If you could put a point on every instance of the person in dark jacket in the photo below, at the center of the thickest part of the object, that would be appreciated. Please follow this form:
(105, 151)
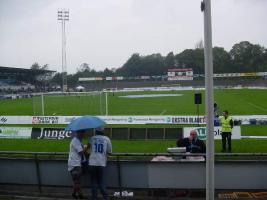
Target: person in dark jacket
(192, 143)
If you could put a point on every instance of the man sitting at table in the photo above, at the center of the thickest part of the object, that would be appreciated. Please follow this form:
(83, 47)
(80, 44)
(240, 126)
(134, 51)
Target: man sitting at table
(192, 143)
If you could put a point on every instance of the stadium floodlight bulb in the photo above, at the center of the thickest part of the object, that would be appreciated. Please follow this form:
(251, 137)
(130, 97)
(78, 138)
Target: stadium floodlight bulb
(63, 15)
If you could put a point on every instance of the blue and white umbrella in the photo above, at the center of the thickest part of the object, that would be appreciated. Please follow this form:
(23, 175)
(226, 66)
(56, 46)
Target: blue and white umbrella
(85, 122)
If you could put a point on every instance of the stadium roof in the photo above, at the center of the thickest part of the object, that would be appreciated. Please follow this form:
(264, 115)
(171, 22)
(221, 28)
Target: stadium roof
(14, 70)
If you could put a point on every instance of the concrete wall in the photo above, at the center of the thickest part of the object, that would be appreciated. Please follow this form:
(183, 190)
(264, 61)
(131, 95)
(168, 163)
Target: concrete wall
(138, 174)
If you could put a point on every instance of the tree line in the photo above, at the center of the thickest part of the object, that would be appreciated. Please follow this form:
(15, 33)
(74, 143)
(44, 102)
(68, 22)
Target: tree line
(243, 57)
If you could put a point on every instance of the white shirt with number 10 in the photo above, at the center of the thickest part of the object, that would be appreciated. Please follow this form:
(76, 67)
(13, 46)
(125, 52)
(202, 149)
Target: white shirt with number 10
(100, 146)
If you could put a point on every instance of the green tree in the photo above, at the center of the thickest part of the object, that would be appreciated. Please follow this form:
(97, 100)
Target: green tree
(247, 57)
(36, 66)
(45, 67)
(57, 79)
(84, 67)
(170, 61)
(191, 58)
(131, 67)
(221, 60)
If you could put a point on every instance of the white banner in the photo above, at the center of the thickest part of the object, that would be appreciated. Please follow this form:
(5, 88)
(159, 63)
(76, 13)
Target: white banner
(180, 78)
(236, 132)
(161, 119)
(15, 132)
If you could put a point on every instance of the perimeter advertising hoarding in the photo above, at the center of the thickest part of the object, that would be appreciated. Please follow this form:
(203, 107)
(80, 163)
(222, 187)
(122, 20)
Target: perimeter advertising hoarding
(236, 132)
(161, 119)
(15, 132)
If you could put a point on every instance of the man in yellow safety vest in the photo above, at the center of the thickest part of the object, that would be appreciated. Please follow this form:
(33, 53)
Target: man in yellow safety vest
(227, 125)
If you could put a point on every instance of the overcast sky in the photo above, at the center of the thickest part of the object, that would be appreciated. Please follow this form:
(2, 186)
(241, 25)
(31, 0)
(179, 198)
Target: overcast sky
(105, 33)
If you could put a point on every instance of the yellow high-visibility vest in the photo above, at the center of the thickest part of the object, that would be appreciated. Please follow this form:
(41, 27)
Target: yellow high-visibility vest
(225, 123)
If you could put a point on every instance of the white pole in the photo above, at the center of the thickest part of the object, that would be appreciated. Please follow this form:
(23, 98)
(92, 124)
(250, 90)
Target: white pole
(206, 7)
(100, 103)
(33, 107)
(106, 103)
(42, 99)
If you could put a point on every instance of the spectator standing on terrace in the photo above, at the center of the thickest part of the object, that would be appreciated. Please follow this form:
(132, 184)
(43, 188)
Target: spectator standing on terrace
(76, 154)
(227, 125)
(216, 110)
(192, 143)
(100, 147)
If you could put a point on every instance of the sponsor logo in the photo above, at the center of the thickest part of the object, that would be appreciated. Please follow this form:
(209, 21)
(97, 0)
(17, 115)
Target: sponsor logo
(69, 119)
(3, 119)
(130, 119)
(156, 119)
(15, 132)
(201, 132)
(51, 133)
(188, 120)
(45, 120)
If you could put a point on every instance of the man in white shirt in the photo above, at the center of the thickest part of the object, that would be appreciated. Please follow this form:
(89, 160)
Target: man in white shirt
(100, 147)
(74, 162)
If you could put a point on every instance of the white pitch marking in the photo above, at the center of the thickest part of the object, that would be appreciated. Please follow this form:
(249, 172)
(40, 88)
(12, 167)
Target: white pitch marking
(151, 95)
(259, 107)
(163, 112)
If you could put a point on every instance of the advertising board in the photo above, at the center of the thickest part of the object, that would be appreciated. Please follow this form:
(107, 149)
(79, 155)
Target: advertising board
(201, 131)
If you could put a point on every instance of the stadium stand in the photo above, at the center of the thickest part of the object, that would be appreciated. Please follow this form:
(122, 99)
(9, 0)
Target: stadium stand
(230, 82)
(19, 80)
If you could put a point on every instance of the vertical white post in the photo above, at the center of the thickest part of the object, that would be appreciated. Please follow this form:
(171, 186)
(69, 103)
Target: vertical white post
(100, 103)
(42, 99)
(106, 103)
(33, 107)
(206, 7)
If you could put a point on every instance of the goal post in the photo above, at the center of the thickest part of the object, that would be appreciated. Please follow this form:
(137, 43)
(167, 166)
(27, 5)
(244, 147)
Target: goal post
(70, 103)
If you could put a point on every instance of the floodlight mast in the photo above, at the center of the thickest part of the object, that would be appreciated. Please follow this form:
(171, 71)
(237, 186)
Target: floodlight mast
(63, 15)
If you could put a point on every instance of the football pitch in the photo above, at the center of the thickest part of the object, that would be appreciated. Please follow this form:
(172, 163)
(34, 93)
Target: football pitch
(237, 102)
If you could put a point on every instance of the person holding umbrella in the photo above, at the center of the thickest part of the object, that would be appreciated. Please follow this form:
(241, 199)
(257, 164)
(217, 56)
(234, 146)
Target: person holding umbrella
(74, 162)
(100, 147)
(79, 126)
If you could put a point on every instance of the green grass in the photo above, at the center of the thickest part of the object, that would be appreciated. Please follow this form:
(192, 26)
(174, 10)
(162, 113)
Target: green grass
(139, 146)
(123, 146)
(238, 102)
(249, 130)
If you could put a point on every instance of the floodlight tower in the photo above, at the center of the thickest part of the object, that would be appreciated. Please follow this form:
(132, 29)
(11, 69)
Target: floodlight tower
(63, 15)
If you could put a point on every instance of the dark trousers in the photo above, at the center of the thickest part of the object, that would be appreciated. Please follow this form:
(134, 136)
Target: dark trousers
(97, 181)
(226, 136)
